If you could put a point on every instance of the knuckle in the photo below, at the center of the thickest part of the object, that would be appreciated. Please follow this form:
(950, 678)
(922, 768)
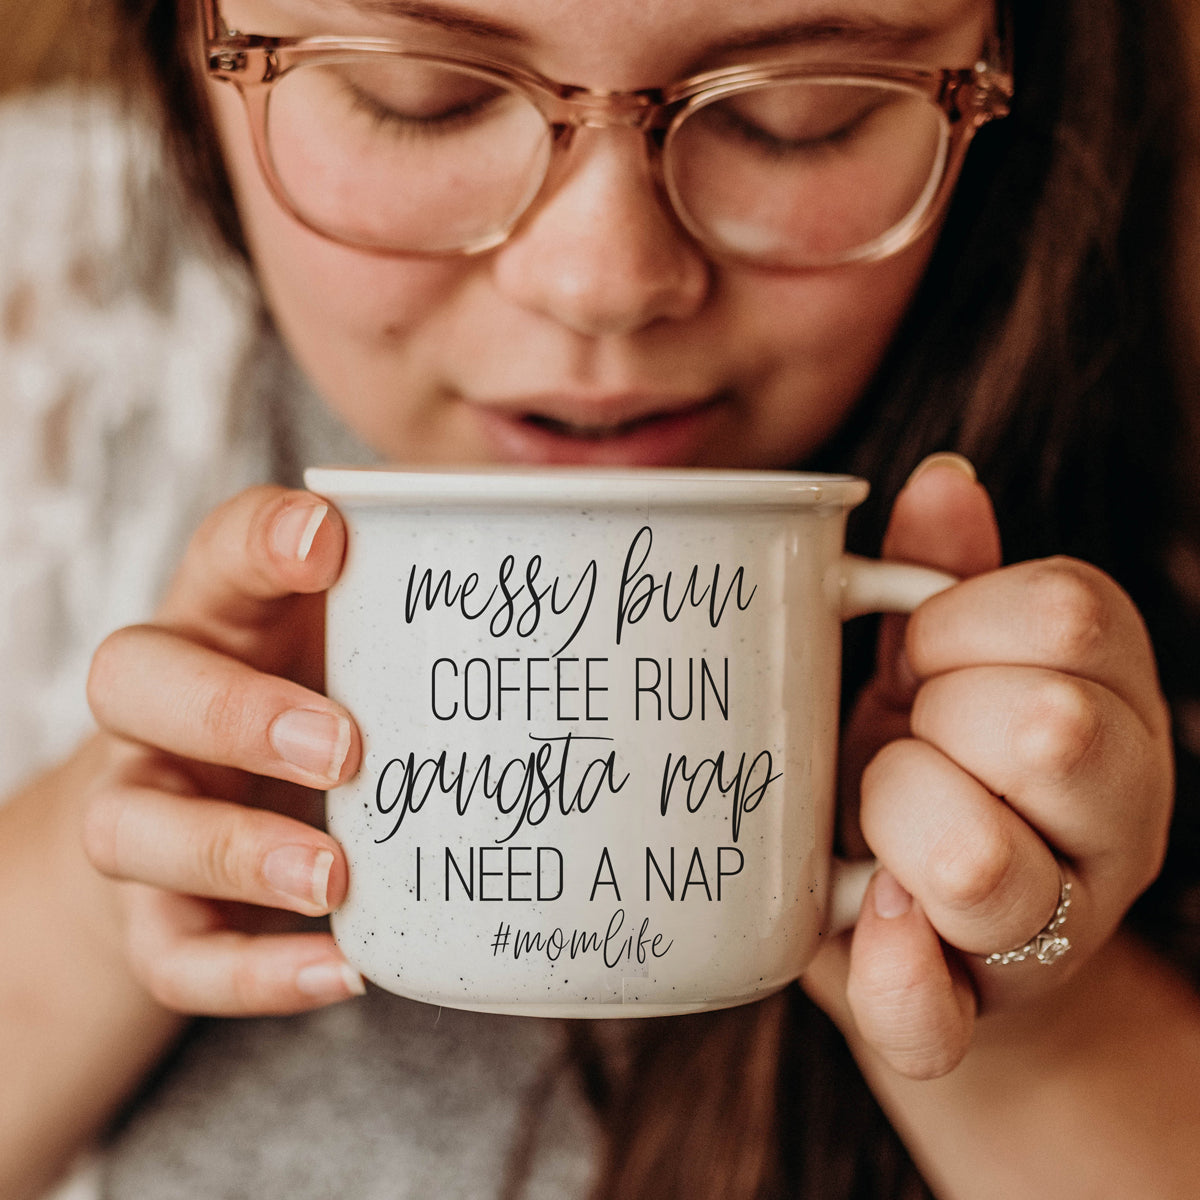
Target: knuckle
(227, 715)
(968, 868)
(921, 1053)
(885, 990)
(246, 985)
(899, 1018)
(927, 1058)
(1055, 728)
(1070, 608)
(222, 862)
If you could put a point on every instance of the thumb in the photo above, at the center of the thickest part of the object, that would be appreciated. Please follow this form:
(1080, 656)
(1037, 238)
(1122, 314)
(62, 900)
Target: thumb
(943, 517)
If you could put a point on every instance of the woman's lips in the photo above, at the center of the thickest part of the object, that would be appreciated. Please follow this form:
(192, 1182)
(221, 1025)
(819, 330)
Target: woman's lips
(624, 430)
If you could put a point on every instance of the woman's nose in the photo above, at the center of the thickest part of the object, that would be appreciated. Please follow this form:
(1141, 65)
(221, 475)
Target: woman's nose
(600, 254)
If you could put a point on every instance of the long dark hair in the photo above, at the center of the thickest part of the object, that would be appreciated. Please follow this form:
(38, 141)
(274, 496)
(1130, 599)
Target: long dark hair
(1040, 345)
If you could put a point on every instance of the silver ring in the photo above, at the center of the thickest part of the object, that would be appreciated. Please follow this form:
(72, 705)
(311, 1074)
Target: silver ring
(1047, 945)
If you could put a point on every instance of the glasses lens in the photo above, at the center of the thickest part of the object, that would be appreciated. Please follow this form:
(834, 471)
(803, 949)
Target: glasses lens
(404, 154)
(808, 172)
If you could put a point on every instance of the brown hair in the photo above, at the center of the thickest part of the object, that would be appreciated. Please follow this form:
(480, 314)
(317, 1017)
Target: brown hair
(47, 42)
(1040, 345)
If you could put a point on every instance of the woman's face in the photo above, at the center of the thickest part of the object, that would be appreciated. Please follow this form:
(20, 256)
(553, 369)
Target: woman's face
(600, 332)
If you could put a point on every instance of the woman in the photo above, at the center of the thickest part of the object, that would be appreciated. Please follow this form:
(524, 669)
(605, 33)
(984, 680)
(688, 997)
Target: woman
(1025, 326)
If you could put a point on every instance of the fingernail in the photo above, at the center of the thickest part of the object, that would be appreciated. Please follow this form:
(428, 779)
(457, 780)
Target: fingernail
(330, 981)
(301, 874)
(890, 899)
(944, 458)
(295, 529)
(314, 741)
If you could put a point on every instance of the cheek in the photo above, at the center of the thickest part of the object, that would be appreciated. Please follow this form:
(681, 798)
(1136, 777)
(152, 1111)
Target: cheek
(812, 343)
(325, 297)
(842, 320)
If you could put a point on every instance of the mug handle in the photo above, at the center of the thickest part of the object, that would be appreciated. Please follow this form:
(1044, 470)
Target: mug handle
(868, 585)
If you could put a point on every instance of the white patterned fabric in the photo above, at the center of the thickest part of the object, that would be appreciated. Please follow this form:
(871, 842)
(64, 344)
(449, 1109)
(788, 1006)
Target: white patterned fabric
(139, 385)
(118, 404)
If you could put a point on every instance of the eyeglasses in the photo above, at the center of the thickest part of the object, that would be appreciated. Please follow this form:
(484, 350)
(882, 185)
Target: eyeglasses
(377, 145)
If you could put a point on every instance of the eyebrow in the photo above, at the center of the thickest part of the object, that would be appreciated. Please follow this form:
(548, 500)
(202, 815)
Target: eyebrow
(825, 29)
(832, 28)
(441, 16)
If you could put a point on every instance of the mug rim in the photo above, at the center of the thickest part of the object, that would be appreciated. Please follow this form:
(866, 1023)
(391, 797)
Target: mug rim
(557, 486)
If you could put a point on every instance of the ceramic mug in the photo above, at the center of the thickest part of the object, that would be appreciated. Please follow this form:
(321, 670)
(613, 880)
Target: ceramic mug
(599, 713)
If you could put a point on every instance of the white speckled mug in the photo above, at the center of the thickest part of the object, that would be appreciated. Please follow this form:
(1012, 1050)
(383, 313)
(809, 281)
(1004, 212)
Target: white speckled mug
(599, 716)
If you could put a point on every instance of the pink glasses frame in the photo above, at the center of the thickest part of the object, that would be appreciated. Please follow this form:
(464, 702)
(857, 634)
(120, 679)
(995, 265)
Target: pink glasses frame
(968, 97)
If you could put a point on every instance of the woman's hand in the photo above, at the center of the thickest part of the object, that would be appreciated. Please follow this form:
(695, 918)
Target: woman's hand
(1014, 727)
(216, 736)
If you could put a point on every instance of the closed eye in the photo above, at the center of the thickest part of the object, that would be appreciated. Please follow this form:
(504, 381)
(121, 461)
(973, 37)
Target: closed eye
(778, 124)
(426, 103)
